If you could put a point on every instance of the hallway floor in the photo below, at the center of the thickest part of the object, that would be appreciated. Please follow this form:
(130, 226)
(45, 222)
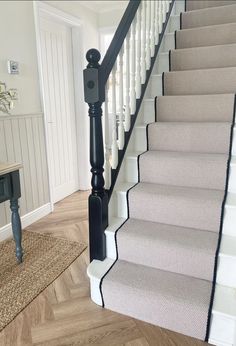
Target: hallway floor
(64, 315)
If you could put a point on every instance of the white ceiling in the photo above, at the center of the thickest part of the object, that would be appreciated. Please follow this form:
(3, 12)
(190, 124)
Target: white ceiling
(104, 6)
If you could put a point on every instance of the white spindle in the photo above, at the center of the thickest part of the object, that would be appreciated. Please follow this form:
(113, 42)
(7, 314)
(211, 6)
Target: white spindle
(132, 70)
(143, 43)
(152, 38)
(156, 4)
(107, 166)
(164, 10)
(148, 25)
(121, 135)
(127, 83)
(138, 54)
(167, 6)
(160, 15)
(114, 147)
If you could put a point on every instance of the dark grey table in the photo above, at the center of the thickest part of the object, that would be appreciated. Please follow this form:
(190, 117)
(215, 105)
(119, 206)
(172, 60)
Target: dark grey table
(10, 190)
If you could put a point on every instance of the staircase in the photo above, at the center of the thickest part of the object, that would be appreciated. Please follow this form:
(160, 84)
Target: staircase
(171, 240)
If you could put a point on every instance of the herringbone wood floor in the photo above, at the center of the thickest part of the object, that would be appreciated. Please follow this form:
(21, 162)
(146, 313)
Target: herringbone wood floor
(64, 314)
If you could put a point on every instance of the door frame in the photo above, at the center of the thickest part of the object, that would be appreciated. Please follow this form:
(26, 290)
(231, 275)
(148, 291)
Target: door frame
(43, 9)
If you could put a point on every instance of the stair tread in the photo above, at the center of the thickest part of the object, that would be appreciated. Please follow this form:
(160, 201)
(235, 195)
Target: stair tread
(205, 157)
(152, 241)
(209, 16)
(209, 57)
(209, 108)
(191, 169)
(206, 36)
(209, 137)
(177, 205)
(157, 295)
(194, 5)
(203, 81)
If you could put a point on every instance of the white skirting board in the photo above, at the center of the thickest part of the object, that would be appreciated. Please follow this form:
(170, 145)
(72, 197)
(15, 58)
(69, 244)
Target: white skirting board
(26, 220)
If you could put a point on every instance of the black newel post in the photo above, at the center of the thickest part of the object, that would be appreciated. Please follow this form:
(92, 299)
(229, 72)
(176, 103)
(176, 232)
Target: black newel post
(94, 92)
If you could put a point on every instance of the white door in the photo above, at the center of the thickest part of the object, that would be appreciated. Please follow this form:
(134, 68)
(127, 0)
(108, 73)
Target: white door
(58, 90)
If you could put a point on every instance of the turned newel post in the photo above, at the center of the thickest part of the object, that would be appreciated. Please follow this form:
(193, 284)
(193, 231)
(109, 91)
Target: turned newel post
(94, 92)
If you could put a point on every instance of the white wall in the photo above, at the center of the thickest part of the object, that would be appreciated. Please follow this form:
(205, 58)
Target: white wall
(17, 37)
(111, 18)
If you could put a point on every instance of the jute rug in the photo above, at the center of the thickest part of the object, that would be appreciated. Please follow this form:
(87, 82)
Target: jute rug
(45, 258)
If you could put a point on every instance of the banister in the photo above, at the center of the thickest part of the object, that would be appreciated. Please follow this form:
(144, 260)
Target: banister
(95, 93)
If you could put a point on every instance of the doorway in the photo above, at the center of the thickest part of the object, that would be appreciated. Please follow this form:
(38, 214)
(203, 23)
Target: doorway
(57, 34)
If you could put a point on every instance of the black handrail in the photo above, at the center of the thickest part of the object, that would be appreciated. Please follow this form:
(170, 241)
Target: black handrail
(95, 77)
(118, 39)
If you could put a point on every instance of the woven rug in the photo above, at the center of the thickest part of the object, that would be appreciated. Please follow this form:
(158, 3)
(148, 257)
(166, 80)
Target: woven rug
(45, 258)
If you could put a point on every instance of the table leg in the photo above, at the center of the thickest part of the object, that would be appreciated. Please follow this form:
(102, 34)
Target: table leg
(16, 228)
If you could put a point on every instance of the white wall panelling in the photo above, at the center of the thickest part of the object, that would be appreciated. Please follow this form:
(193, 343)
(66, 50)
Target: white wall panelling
(22, 140)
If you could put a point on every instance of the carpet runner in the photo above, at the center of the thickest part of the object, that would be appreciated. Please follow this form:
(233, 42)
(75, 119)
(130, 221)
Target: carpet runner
(166, 250)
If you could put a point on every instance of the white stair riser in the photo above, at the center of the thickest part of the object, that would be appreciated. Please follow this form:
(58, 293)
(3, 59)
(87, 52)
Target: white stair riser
(131, 172)
(110, 245)
(156, 86)
(222, 330)
(179, 7)
(148, 115)
(162, 64)
(232, 179)
(174, 23)
(230, 221)
(168, 42)
(226, 274)
(140, 138)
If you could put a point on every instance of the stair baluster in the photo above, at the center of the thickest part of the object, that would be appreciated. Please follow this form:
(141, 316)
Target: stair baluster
(148, 43)
(114, 148)
(138, 54)
(106, 124)
(156, 13)
(127, 82)
(121, 133)
(132, 69)
(143, 43)
(152, 41)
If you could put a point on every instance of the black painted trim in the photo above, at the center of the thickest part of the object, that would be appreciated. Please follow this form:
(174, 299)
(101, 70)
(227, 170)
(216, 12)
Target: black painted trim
(181, 14)
(175, 39)
(221, 225)
(155, 107)
(163, 83)
(185, 5)
(170, 60)
(147, 136)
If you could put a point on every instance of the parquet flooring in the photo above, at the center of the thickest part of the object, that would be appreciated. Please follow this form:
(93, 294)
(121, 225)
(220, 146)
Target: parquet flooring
(64, 315)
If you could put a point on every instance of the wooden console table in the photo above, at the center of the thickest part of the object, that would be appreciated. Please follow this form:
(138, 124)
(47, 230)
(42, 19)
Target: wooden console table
(10, 190)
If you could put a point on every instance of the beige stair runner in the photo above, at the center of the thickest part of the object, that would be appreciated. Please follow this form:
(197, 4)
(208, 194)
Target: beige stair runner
(165, 268)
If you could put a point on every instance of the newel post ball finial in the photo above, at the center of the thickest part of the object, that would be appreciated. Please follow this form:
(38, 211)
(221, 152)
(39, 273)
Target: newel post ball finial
(93, 56)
